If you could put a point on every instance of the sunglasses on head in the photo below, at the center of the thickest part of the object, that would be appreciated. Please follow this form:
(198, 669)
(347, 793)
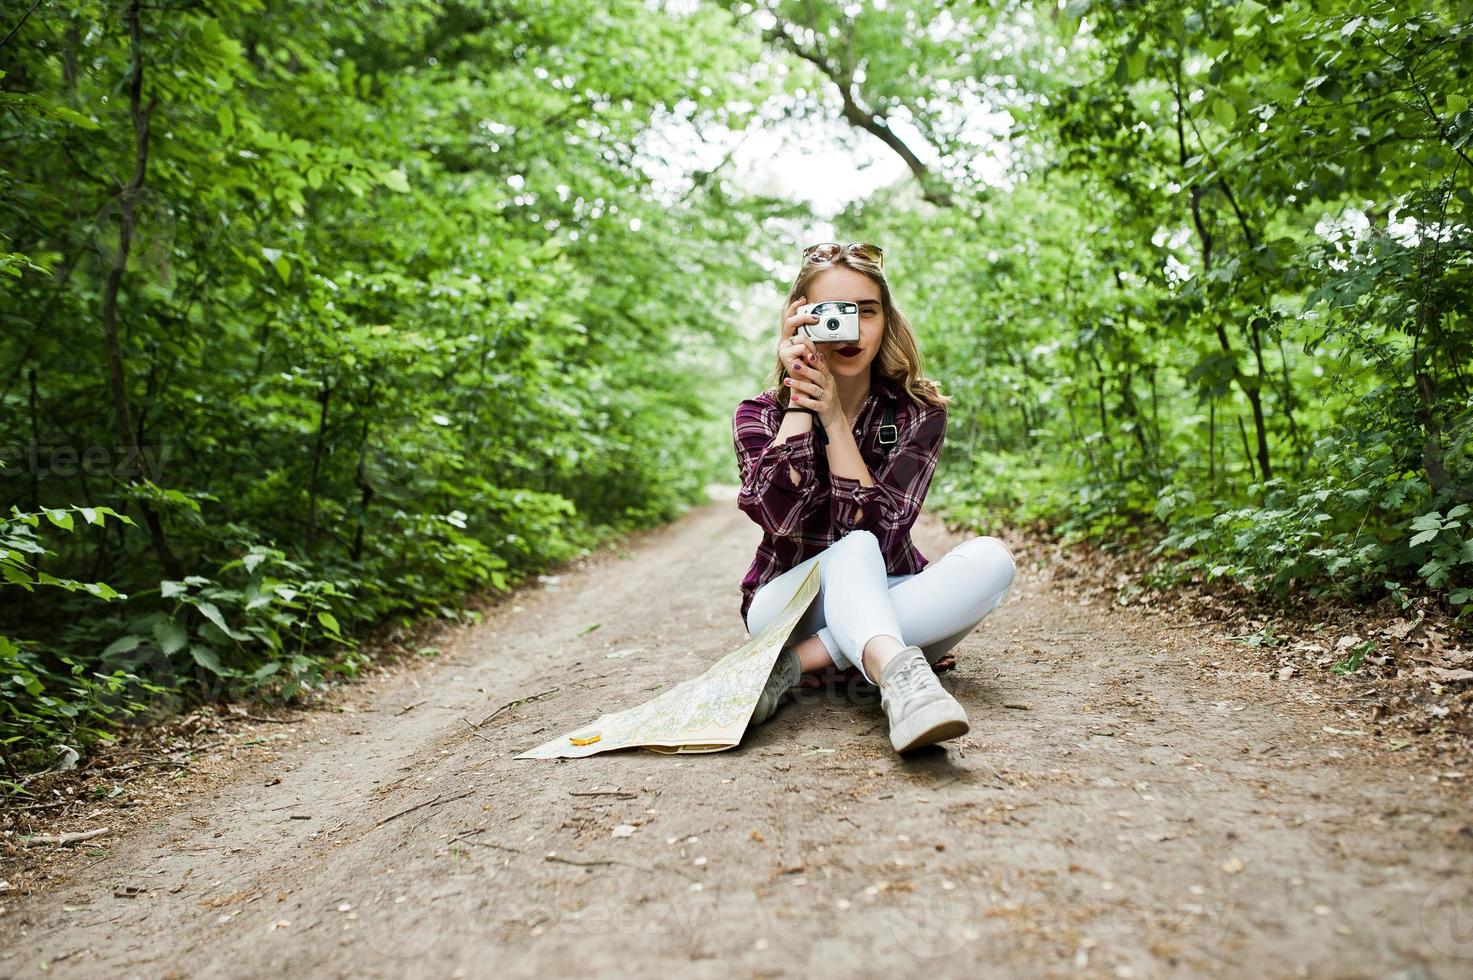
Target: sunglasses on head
(828, 251)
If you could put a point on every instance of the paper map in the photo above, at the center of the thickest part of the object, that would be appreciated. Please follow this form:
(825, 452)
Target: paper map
(702, 714)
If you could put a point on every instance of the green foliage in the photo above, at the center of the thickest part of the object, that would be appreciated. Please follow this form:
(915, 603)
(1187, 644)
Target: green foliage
(372, 308)
(1217, 297)
(46, 696)
(1352, 661)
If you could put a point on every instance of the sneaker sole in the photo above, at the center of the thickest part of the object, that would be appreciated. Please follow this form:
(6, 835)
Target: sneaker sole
(929, 726)
(787, 680)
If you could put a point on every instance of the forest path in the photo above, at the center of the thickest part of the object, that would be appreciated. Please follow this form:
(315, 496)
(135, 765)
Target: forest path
(1150, 811)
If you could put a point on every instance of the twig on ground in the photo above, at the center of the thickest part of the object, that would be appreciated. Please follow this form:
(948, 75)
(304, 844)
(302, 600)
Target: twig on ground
(420, 806)
(476, 733)
(75, 838)
(603, 862)
(597, 863)
(43, 806)
(139, 765)
(513, 704)
(487, 843)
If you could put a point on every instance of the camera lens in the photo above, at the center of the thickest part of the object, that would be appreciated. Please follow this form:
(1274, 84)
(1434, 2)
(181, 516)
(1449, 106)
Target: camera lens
(833, 323)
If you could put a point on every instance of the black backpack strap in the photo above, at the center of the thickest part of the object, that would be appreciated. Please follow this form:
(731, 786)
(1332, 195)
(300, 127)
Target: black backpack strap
(889, 434)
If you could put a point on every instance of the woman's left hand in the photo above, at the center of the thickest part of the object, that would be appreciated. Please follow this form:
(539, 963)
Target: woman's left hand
(813, 387)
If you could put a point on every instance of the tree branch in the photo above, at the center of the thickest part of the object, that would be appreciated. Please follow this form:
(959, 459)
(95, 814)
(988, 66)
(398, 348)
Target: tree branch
(858, 115)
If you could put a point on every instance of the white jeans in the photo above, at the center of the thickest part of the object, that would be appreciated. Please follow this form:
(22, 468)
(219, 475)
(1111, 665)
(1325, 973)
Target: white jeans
(857, 601)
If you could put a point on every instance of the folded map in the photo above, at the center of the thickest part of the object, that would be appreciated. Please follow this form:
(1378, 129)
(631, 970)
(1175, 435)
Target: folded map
(701, 714)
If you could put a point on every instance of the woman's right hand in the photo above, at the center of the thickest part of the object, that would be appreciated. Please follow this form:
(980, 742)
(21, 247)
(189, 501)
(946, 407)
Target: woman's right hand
(793, 346)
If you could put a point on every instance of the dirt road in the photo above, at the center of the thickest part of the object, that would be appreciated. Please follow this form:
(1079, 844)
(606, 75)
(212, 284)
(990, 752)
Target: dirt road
(1127, 804)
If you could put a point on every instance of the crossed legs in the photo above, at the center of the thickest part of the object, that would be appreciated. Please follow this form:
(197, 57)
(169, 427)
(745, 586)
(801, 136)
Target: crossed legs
(863, 617)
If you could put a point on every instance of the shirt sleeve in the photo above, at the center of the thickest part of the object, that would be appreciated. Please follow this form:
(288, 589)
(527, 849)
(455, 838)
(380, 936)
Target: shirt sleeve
(891, 506)
(778, 479)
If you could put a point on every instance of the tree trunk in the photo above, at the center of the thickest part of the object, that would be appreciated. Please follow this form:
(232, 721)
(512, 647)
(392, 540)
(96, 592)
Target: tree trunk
(117, 377)
(324, 399)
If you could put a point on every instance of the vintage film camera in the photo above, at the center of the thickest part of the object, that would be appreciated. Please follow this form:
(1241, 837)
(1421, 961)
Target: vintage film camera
(838, 320)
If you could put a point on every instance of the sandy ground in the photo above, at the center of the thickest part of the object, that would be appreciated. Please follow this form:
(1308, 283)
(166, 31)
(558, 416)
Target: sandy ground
(1127, 804)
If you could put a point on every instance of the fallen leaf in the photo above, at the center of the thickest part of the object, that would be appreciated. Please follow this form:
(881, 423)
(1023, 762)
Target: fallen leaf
(1399, 629)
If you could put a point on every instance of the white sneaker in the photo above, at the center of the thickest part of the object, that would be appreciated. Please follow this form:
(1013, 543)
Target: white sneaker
(785, 673)
(920, 710)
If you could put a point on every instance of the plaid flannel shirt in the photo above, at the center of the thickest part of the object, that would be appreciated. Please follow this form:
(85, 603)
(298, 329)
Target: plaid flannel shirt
(802, 508)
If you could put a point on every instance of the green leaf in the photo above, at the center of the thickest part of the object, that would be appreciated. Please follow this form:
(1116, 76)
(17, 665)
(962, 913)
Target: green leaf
(103, 591)
(1135, 64)
(210, 612)
(206, 658)
(1434, 572)
(330, 621)
(395, 180)
(122, 645)
(1456, 103)
(170, 636)
(15, 576)
(69, 115)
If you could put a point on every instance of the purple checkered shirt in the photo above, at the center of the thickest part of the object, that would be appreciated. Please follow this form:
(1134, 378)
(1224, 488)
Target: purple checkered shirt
(800, 518)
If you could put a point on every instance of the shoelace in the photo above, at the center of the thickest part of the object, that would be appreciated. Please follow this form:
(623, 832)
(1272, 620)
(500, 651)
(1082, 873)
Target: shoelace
(911, 679)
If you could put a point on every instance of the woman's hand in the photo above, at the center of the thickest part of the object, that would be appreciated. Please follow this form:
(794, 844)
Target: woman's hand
(812, 386)
(792, 347)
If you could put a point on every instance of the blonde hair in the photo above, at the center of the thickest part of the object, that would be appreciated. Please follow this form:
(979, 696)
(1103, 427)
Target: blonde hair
(899, 358)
